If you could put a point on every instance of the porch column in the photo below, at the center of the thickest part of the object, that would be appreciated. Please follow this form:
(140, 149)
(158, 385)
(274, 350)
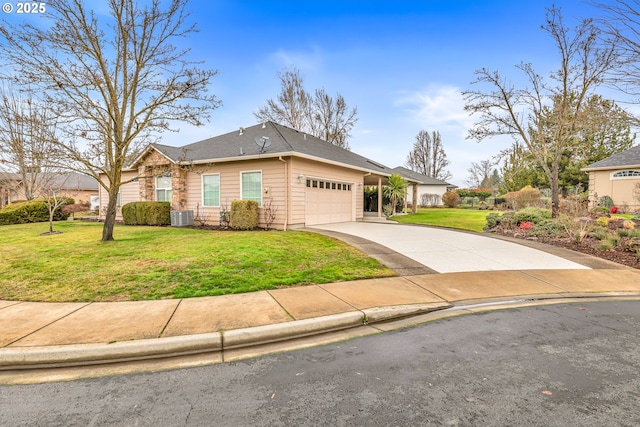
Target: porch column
(379, 197)
(415, 198)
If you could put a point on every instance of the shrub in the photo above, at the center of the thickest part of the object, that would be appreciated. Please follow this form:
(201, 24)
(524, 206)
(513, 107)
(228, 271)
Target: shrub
(493, 220)
(599, 232)
(534, 215)
(547, 228)
(629, 225)
(602, 221)
(600, 210)
(613, 210)
(450, 199)
(606, 201)
(31, 211)
(523, 198)
(147, 213)
(244, 214)
(526, 225)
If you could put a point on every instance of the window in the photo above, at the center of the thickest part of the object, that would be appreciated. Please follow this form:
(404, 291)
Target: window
(163, 188)
(211, 190)
(252, 186)
(626, 174)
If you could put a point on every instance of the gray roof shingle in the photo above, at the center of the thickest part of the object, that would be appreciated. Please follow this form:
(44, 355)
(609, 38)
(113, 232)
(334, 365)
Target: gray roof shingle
(629, 157)
(284, 140)
(420, 178)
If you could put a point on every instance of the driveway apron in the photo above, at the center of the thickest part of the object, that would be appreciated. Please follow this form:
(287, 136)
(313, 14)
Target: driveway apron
(449, 251)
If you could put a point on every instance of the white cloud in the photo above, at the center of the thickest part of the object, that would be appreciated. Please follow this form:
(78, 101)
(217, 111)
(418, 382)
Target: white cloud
(302, 60)
(437, 108)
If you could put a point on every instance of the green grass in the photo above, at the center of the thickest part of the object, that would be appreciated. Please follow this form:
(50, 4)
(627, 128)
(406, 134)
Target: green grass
(163, 262)
(462, 219)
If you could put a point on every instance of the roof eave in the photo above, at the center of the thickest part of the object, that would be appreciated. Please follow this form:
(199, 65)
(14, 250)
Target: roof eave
(604, 168)
(284, 154)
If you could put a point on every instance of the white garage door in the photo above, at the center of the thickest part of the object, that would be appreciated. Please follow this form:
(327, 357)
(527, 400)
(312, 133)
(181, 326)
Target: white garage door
(328, 202)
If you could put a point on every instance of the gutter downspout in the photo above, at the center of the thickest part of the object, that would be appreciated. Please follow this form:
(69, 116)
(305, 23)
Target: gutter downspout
(287, 176)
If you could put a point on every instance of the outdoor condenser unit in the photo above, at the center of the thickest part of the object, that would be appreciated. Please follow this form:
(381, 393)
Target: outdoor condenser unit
(181, 218)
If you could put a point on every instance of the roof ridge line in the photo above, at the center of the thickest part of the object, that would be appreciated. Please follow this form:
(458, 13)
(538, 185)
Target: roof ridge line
(275, 127)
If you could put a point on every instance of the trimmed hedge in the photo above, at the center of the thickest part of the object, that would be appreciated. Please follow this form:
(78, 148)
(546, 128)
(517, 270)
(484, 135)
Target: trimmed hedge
(31, 211)
(147, 213)
(244, 214)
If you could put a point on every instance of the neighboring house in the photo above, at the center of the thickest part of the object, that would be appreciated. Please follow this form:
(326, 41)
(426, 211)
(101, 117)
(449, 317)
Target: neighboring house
(616, 177)
(304, 180)
(70, 184)
(426, 190)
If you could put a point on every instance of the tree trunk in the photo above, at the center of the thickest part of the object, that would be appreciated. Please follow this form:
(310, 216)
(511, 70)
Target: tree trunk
(555, 197)
(110, 216)
(51, 211)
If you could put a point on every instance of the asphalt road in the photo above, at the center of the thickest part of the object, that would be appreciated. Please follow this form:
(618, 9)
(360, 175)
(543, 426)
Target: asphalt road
(553, 365)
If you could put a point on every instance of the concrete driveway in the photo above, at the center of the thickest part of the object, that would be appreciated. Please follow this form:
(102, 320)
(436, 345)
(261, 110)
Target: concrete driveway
(449, 251)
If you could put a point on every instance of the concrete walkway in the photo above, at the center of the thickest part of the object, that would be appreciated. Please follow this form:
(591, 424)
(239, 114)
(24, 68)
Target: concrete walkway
(36, 336)
(450, 251)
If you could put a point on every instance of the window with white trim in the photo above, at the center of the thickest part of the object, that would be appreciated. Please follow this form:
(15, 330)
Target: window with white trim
(626, 174)
(163, 188)
(211, 190)
(251, 186)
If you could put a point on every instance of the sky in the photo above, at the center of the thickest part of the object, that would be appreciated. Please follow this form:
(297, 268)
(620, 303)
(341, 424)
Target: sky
(402, 63)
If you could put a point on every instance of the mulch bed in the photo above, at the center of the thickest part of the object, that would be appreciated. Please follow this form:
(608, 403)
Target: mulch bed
(588, 246)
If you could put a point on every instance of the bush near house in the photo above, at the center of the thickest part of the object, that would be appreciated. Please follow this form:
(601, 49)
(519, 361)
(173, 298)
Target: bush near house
(450, 199)
(244, 214)
(147, 213)
(31, 211)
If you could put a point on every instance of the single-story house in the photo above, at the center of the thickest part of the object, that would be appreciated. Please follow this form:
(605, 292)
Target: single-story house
(616, 176)
(302, 179)
(428, 190)
(78, 186)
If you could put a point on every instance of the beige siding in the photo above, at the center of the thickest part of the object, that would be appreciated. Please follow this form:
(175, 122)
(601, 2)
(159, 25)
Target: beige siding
(128, 193)
(620, 190)
(273, 181)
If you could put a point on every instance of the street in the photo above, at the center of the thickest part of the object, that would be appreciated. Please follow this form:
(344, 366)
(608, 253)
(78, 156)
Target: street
(550, 365)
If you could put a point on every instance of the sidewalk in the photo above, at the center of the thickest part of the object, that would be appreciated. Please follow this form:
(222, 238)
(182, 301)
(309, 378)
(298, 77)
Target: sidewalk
(39, 335)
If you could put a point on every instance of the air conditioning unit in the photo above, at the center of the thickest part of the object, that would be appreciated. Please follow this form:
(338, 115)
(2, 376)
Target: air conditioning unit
(181, 218)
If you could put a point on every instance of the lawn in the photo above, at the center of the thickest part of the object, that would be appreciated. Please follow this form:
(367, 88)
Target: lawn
(164, 262)
(462, 219)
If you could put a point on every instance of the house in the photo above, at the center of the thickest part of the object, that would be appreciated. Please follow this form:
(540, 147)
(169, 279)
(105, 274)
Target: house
(428, 190)
(616, 176)
(302, 179)
(69, 184)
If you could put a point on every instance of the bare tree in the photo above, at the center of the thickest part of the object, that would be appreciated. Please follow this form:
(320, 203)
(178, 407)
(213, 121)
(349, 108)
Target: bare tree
(27, 133)
(428, 156)
(546, 118)
(481, 175)
(332, 120)
(621, 25)
(50, 187)
(114, 86)
(319, 114)
(293, 106)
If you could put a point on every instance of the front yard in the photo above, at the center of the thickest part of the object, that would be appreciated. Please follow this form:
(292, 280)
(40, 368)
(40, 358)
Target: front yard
(462, 219)
(163, 262)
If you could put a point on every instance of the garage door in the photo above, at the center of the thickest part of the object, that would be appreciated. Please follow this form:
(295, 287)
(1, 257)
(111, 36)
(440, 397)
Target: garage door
(328, 202)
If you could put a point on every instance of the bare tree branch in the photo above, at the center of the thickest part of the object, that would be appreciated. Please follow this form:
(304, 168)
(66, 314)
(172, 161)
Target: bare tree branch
(113, 87)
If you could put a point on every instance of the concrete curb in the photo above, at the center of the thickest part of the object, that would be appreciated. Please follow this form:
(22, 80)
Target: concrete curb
(21, 358)
(78, 355)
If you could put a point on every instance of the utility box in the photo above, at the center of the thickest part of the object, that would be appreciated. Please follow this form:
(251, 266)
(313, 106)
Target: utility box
(181, 218)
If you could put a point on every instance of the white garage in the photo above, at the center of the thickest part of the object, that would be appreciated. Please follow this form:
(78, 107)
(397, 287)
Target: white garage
(328, 202)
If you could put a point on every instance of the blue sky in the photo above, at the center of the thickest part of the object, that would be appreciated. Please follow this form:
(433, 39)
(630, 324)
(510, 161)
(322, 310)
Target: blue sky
(402, 63)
